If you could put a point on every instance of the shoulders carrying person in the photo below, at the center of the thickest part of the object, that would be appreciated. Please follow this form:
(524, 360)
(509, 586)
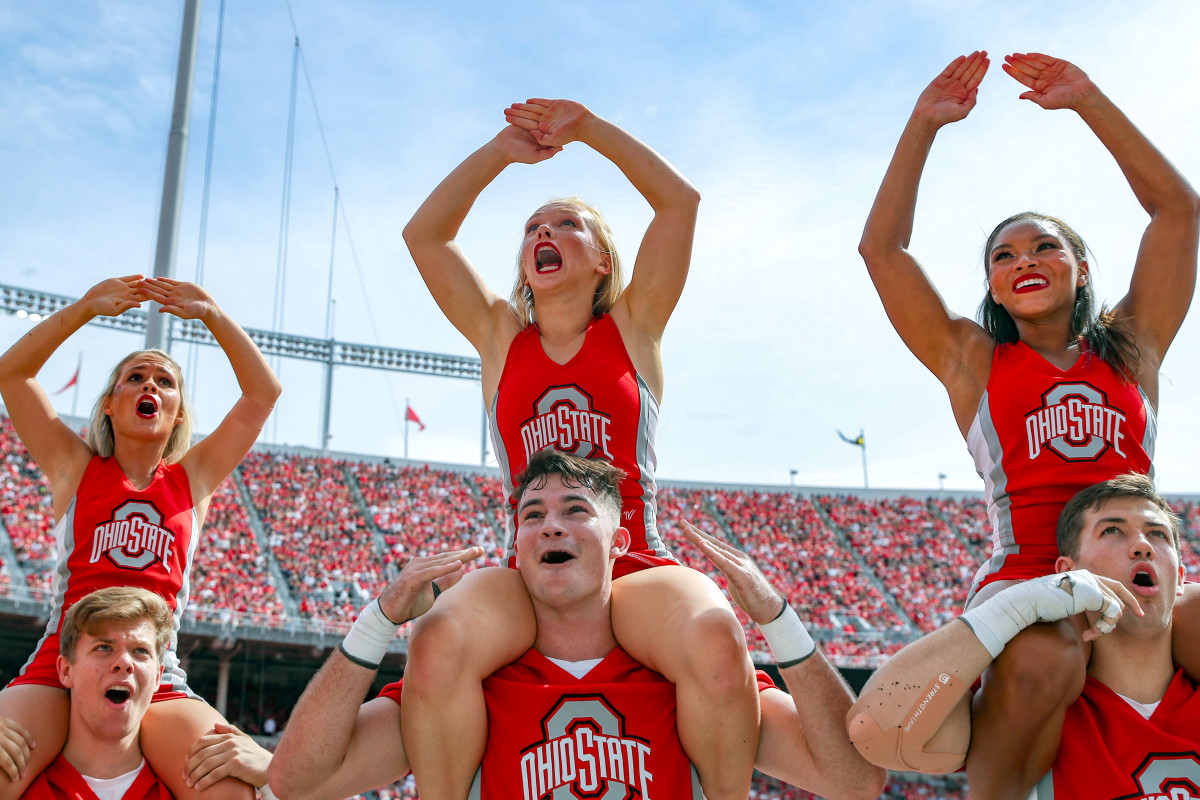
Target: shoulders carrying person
(571, 360)
(137, 471)
(1051, 393)
(574, 714)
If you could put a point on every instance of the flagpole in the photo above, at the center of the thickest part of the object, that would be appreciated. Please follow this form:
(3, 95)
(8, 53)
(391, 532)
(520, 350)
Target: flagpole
(407, 406)
(863, 438)
(75, 394)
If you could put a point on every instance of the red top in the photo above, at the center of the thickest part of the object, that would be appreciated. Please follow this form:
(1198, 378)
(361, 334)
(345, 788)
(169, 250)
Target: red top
(1109, 751)
(1040, 435)
(61, 781)
(595, 406)
(114, 534)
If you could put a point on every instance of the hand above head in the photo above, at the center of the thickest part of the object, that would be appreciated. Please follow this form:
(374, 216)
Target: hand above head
(115, 296)
(519, 147)
(551, 123)
(951, 95)
(1052, 82)
(15, 743)
(184, 300)
(410, 594)
(748, 587)
(225, 752)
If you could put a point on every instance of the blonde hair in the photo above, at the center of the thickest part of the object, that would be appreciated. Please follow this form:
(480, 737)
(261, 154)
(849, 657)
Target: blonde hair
(103, 607)
(611, 285)
(100, 430)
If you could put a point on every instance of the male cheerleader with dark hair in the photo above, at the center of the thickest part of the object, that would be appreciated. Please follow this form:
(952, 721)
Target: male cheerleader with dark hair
(1134, 731)
(575, 712)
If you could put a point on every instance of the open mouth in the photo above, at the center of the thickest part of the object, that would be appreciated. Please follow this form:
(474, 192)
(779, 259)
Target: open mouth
(1144, 580)
(118, 695)
(147, 406)
(547, 258)
(556, 557)
(1030, 284)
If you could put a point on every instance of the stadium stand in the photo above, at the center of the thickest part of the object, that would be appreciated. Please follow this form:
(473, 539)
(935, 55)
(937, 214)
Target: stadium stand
(228, 570)
(422, 510)
(25, 507)
(334, 530)
(923, 564)
(316, 532)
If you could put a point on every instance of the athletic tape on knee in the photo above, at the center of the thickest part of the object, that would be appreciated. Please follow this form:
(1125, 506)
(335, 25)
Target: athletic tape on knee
(1046, 599)
(902, 746)
(369, 637)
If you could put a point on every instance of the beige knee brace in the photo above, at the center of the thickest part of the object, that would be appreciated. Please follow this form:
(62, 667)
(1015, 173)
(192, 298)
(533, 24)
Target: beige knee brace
(901, 747)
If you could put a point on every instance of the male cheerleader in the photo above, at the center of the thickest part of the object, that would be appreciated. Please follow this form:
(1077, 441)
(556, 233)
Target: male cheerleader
(574, 714)
(1134, 732)
(111, 647)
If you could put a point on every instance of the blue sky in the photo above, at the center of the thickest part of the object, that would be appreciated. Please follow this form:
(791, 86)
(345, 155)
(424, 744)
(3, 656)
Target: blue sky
(784, 114)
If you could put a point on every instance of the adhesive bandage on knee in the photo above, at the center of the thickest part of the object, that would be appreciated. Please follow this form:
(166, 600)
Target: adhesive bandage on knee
(369, 637)
(901, 747)
(1046, 599)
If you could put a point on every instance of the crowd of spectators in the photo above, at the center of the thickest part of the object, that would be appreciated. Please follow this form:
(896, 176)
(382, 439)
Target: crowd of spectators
(229, 570)
(1189, 542)
(316, 532)
(26, 508)
(321, 539)
(969, 517)
(924, 566)
(422, 511)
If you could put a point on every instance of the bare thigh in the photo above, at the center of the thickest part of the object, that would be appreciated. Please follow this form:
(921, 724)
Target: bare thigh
(45, 712)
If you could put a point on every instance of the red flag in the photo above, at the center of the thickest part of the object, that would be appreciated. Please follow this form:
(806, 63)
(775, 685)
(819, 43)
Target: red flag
(74, 378)
(411, 416)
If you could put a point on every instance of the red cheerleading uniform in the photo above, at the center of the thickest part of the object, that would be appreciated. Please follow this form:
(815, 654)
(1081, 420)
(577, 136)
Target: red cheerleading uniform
(1042, 434)
(595, 406)
(61, 781)
(115, 535)
(610, 733)
(1109, 751)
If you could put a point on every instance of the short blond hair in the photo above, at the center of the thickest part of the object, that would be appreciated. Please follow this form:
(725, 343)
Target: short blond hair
(611, 285)
(101, 608)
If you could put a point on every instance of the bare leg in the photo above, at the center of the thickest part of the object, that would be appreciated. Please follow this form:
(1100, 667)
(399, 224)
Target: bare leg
(169, 730)
(45, 712)
(1018, 715)
(1185, 631)
(675, 621)
(483, 623)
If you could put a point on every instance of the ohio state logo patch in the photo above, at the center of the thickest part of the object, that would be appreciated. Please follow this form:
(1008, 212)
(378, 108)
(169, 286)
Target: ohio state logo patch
(134, 538)
(1167, 776)
(586, 753)
(564, 418)
(1076, 422)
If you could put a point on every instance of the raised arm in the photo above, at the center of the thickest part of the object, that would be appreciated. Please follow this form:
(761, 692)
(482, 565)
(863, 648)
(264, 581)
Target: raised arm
(60, 453)
(334, 746)
(803, 739)
(475, 310)
(215, 456)
(1164, 275)
(662, 261)
(942, 340)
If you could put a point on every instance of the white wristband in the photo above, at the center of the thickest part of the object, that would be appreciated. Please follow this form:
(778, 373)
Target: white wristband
(369, 637)
(787, 638)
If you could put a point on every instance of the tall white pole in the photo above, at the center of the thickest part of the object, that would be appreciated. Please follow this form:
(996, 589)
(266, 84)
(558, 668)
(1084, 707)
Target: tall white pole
(157, 328)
